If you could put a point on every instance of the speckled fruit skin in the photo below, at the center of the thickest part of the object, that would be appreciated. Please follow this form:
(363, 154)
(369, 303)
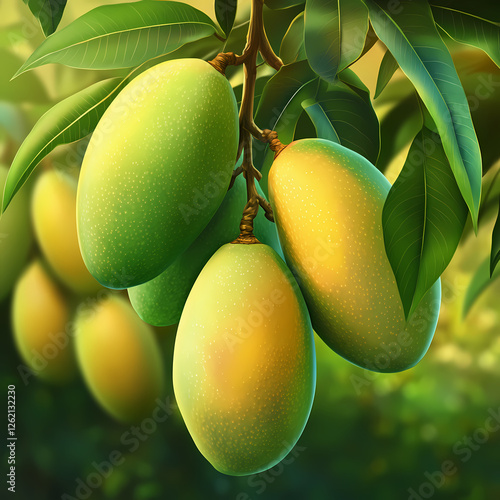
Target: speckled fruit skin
(327, 202)
(40, 323)
(160, 301)
(244, 367)
(15, 237)
(53, 212)
(119, 359)
(156, 170)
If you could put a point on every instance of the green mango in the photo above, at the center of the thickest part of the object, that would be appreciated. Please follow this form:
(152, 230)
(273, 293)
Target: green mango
(156, 169)
(41, 326)
(119, 358)
(327, 202)
(244, 367)
(160, 301)
(53, 211)
(15, 236)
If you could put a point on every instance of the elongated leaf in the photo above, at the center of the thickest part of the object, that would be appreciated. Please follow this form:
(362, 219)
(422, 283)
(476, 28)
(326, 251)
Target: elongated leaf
(319, 118)
(388, 67)
(292, 46)
(66, 122)
(483, 9)
(495, 244)
(478, 284)
(225, 11)
(334, 34)
(471, 30)
(48, 12)
(352, 119)
(423, 219)
(410, 34)
(122, 35)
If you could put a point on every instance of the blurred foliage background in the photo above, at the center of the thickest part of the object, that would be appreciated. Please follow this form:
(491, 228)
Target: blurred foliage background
(370, 435)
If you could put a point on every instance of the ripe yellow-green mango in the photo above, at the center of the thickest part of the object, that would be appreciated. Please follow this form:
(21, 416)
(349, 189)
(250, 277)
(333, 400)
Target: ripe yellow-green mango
(244, 367)
(53, 211)
(15, 237)
(160, 301)
(327, 203)
(40, 322)
(156, 170)
(119, 358)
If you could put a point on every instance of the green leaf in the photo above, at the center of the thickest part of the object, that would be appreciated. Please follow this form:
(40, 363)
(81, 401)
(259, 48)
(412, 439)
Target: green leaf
(28, 88)
(225, 11)
(478, 284)
(495, 244)
(283, 4)
(334, 34)
(471, 30)
(320, 120)
(280, 108)
(388, 67)
(352, 119)
(423, 219)
(48, 12)
(292, 46)
(122, 35)
(66, 122)
(484, 9)
(410, 34)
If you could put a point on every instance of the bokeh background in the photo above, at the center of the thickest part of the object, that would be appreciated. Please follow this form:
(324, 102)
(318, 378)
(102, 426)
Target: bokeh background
(369, 436)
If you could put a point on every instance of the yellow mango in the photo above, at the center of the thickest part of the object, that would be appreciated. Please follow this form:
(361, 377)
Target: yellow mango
(244, 367)
(119, 358)
(40, 317)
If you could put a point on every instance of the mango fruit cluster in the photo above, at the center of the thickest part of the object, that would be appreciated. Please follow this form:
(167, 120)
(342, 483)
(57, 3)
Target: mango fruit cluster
(155, 216)
(63, 321)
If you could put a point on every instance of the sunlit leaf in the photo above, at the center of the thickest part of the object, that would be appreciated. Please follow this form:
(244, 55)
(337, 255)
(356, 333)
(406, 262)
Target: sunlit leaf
(334, 34)
(122, 35)
(388, 67)
(292, 46)
(423, 219)
(66, 122)
(410, 34)
(48, 12)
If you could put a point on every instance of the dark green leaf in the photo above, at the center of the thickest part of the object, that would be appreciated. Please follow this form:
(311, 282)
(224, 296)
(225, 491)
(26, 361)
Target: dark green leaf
(66, 122)
(334, 34)
(292, 47)
(495, 244)
(27, 88)
(122, 35)
(225, 11)
(352, 118)
(471, 30)
(48, 12)
(388, 67)
(423, 219)
(320, 120)
(277, 94)
(485, 9)
(478, 284)
(410, 34)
